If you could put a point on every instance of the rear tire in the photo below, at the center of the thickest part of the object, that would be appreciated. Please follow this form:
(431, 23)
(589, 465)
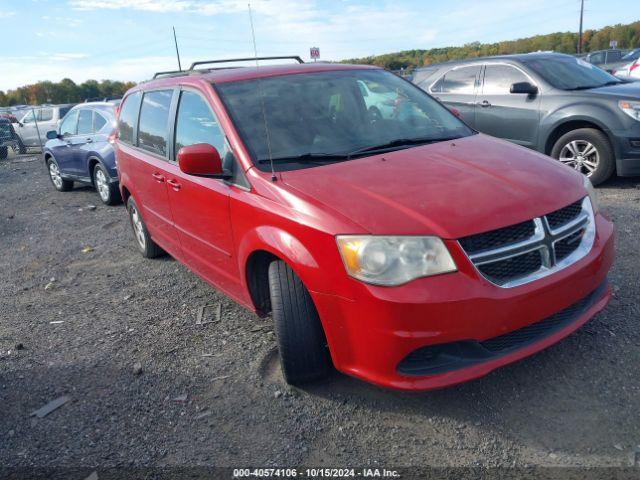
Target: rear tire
(55, 176)
(147, 247)
(572, 149)
(304, 356)
(107, 191)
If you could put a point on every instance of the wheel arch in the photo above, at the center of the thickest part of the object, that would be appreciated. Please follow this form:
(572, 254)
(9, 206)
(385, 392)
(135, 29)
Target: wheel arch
(569, 125)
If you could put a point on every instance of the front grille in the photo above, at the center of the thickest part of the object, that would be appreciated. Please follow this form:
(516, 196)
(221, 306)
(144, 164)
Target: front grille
(497, 238)
(508, 268)
(445, 357)
(563, 216)
(520, 253)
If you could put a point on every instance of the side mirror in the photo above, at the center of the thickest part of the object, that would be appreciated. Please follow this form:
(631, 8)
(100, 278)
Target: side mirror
(201, 160)
(456, 112)
(52, 134)
(524, 87)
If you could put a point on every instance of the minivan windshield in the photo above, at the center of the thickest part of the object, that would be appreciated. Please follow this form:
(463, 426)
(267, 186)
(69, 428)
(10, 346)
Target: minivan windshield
(306, 119)
(569, 73)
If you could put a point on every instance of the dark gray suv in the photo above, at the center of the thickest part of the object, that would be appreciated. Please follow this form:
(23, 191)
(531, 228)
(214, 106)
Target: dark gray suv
(553, 103)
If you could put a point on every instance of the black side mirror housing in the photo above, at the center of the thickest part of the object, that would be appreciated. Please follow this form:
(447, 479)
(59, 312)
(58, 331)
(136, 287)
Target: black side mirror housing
(524, 88)
(52, 134)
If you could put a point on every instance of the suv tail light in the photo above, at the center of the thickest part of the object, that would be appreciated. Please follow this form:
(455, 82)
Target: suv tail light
(635, 65)
(113, 137)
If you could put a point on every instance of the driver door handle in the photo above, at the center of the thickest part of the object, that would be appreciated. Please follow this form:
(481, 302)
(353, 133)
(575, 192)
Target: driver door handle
(89, 140)
(159, 178)
(174, 184)
(484, 104)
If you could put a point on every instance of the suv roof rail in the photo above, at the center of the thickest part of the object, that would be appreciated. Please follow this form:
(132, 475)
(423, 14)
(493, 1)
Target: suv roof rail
(251, 59)
(169, 73)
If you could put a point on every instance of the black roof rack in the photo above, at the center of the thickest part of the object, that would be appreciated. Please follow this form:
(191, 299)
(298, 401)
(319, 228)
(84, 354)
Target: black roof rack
(175, 73)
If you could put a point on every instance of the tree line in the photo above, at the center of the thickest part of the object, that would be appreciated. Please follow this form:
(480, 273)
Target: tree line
(627, 36)
(65, 91)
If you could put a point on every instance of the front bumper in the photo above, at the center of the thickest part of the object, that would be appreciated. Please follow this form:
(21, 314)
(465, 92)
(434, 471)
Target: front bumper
(370, 337)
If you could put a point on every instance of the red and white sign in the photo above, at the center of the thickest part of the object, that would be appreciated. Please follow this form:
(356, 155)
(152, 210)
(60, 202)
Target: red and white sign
(314, 52)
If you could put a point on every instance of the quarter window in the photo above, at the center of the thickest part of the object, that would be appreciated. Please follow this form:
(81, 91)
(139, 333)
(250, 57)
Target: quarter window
(98, 122)
(499, 78)
(128, 117)
(68, 126)
(154, 117)
(85, 122)
(460, 81)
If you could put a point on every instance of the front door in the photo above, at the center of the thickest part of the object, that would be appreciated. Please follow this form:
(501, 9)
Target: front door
(457, 89)
(200, 205)
(62, 147)
(512, 116)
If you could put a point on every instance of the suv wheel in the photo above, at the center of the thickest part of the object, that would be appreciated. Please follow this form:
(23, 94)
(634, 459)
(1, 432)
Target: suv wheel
(146, 245)
(301, 342)
(108, 191)
(59, 183)
(588, 151)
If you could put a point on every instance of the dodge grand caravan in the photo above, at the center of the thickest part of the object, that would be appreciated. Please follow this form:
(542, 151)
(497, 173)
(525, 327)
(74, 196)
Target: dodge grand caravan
(407, 250)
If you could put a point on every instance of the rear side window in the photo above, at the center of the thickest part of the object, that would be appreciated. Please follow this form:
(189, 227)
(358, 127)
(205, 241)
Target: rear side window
(85, 122)
(197, 124)
(154, 118)
(460, 81)
(98, 122)
(128, 117)
(45, 115)
(63, 111)
(499, 78)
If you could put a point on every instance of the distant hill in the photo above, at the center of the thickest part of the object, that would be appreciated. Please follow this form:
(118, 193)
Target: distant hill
(628, 36)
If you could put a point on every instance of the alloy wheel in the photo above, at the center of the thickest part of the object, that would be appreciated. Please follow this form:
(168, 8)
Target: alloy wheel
(54, 172)
(138, 227)
(581, 155)
(102, 185)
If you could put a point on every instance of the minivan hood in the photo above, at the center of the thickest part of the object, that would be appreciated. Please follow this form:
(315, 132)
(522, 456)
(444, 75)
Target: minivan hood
(449, 189)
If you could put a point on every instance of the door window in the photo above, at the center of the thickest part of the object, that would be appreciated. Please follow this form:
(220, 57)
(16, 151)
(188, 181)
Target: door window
(154, 118)
(85, 122)
(499, 78)
(197, 124)
(68, 126)
(28, 118)
(129, 117)
(459, 81)
(45, 114)
(597, 58)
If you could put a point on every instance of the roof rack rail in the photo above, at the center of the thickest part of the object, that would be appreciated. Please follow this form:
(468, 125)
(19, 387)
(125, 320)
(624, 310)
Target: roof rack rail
(251, 59)
(168, 73)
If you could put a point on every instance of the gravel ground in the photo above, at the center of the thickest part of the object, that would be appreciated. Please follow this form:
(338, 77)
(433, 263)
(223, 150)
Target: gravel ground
(75, 321)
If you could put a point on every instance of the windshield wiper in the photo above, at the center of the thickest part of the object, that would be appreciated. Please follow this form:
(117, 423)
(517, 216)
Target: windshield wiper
(307, 157)
(397, 144)
(589, 87)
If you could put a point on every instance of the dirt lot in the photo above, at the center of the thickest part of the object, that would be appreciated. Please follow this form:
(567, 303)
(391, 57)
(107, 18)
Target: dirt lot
(213, 394)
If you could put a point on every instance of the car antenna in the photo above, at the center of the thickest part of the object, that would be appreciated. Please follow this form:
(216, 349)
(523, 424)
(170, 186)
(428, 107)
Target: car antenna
(264, 111)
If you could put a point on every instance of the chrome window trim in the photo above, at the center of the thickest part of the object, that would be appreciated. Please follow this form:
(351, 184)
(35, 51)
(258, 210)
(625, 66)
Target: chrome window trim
(546, 244)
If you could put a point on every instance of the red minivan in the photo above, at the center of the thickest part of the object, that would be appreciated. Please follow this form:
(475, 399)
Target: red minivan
(384, 236)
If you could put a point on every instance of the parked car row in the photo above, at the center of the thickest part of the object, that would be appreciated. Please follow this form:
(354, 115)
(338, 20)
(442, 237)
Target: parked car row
(553, 103)
(386, 237)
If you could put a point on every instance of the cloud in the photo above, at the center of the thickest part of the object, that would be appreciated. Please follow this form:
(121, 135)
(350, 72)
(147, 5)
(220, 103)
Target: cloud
(7, 14)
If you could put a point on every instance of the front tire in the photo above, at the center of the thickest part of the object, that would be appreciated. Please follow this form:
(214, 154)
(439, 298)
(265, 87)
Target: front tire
(148, 248)
(588, 151)
(304, 356)
(55, 176)
(108, 191)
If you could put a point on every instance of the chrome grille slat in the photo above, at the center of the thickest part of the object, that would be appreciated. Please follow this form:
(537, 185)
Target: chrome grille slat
(572, 240)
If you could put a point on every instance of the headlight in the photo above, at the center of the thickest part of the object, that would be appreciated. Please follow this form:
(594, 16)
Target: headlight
(387, 260)
(593, 196)
(630, 108)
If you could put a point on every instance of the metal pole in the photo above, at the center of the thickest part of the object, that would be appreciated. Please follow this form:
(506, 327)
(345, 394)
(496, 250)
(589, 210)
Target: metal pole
(175, 40)
(580, 34)
(35, 120)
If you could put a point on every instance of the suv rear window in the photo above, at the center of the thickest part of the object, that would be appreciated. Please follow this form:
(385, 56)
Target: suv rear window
(128, 117)
(154, 118)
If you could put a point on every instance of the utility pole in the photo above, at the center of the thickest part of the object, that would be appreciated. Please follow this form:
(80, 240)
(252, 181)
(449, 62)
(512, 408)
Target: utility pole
(178, 53)
(580, 33)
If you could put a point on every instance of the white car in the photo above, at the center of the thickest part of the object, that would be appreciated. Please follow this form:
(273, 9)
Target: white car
(631, 67)
(39, 120)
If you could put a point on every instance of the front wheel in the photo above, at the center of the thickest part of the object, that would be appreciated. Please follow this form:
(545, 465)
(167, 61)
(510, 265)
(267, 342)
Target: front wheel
(588, 151)
(108, 191)
(301, 341)
(59, 183)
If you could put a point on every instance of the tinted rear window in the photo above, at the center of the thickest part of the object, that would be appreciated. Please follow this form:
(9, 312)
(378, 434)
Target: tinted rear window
(154, 118)
(64, 111)
(128, 117)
